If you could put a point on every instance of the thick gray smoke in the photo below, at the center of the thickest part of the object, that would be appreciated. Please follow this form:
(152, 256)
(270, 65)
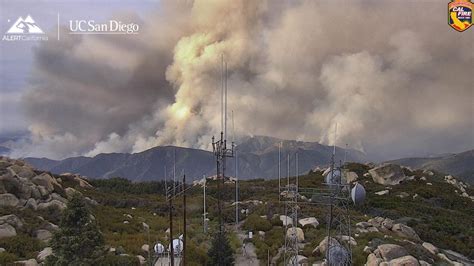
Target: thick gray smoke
(392, 75)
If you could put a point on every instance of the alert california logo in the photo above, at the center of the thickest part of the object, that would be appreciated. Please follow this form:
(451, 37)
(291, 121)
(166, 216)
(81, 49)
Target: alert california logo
(460, 14)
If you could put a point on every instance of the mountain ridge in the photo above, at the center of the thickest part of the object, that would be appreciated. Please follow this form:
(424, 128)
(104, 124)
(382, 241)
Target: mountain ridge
(257, 158)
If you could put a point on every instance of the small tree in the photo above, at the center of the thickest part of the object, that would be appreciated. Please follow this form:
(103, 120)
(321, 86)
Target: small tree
(78, 240)
(220, 253)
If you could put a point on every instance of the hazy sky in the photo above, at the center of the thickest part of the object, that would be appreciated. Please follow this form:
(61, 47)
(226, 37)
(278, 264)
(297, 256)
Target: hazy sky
(393, 75)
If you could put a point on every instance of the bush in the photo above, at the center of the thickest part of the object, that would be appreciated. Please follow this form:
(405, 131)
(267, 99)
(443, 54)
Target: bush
(111, 259)
(78, 240)
(7, 258)
(257, 223)
(22, 246)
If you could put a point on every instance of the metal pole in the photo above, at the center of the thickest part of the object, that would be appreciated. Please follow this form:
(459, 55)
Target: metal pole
(184, 220)
(279, 171)
(204, 204)
(149, 247)
(236, 191)
(297, 173)
(174, 172)
(171, 230)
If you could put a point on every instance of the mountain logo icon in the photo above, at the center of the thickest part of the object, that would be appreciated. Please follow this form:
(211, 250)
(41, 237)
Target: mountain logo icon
(25, 26)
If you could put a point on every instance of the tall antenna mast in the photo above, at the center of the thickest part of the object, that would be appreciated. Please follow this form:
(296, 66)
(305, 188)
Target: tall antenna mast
(222, 93)
(236, 169)
(288, 169)
(279, 170)
(204, 223)
(297, 172)
(166, 182)
(174, 171)
(225, 101)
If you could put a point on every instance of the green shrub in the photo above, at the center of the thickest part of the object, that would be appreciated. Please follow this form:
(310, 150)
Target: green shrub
(111, 259)
(23, 246)
(7, 258)
(256, 223)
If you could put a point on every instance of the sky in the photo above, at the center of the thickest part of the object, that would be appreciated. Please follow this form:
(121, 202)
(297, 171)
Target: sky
(393, 76)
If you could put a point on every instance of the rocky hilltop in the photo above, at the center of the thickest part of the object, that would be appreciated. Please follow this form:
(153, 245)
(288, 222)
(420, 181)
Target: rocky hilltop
(31, 202)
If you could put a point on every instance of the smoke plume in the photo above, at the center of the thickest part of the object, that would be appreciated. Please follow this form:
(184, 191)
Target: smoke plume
(392, 75)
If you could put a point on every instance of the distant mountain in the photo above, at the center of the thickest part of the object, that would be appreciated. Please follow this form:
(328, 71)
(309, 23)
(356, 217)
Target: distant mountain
(257, 158)
(460, 164)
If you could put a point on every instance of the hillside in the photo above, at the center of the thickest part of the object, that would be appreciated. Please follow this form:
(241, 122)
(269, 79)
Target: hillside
(460, 164)
(428, 218)
(257, 157)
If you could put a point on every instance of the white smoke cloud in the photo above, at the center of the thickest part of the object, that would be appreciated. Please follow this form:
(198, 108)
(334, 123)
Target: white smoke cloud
(392, 75)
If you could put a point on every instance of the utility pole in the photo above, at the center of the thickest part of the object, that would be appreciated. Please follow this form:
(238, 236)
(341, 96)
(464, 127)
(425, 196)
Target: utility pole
(279, 170)
(184, 219)
(204, 222)
(170, 201)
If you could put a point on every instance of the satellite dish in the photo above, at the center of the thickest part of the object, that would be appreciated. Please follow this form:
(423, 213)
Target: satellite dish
(358, 194)
(159, 248)
(338, 255)
(177, 246)
(333, 178)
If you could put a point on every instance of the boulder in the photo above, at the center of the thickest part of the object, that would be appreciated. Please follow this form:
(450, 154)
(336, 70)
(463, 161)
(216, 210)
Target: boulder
(46, 181)
(403, 195)
(295, 232)
(387, 174)
(390, 251)
(31, 204)
(12, 220)
(2, 250)
(145, 247)
(6, 230)
(373, 260)
(30, 262)
(82, 182)
(70, 192)
(405, 231)
(431, 248)
(405, 261)
(348, 239)
(56, 196)
(53, 204)
(44, 254)
(388, 223)
(141, 259)
(351, 177)
(8, 200)
(382, 192)
(424, 263)
(309, 221)
(25, 172)
(363, 224)
(323, 245)
(298, 260)
(286, 220)
(43, 191)
(43, 235)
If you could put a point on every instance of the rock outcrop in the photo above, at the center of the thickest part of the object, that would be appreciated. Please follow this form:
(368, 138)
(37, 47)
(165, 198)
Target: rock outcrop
(387, 174)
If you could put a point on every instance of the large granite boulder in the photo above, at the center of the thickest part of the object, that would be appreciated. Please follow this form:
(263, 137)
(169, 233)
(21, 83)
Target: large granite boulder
(53, 204)
(309, 221)
(6, 230)
(405, 231)
(295, 232)
(389, 252)
(387, 174)
(12, 220)
(8, 200)
(323, 245)
(286, 220)
(46, 181)
(44, 254)
(405, 261)
(43, 235)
